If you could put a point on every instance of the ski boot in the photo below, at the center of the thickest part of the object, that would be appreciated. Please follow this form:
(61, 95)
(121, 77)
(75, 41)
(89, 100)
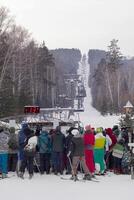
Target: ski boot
(87, 177)
(30, 176)
(93, 176)
(4, 175)
(21, 175)
(74, 178)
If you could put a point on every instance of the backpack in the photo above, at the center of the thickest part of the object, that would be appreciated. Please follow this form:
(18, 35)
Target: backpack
(30, 146)
(118, 151)
(29, 149)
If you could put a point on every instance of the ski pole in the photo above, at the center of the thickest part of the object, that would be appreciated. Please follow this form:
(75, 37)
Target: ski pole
(72, 165)
(37, 165)
(81, 168)
(18, 164)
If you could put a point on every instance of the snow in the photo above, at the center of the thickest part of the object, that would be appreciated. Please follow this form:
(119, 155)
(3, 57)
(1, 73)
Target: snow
(91, 115)
(52, 187)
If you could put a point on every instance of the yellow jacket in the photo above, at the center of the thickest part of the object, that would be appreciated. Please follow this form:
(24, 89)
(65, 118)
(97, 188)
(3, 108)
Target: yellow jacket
(100, 141)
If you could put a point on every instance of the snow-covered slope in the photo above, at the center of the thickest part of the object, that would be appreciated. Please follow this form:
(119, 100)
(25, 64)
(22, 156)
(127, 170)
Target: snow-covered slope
(91, 115)
(51, 187)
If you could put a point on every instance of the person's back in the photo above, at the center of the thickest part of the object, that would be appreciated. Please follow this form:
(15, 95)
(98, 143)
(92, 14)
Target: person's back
(29, 150)
(13, 141)
(22, 138)
(89, 141)
(118, 151)
(44, 142)
(44, 145)
(3, 141)
(3, 152)
(68, 138)
(58, 141)
(77, 152)
(99, 150)
(58, 145)
(13, 150)
(89, 138)
(77, 146)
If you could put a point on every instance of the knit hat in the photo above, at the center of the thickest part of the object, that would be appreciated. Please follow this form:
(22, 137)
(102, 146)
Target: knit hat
(115, 127)
(88, 128)
(109, 131)
(99, 130)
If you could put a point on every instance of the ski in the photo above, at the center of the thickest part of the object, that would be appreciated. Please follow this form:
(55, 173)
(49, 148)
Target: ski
(66, 178)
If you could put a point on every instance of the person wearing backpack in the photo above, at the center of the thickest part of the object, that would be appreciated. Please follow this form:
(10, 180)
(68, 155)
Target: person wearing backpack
(117, 153)
(29, 148)
(12, 150)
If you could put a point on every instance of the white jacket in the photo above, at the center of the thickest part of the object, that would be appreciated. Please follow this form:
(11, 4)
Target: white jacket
(108, 142)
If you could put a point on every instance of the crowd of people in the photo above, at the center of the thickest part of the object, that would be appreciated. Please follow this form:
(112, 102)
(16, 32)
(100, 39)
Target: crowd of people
(93, 152)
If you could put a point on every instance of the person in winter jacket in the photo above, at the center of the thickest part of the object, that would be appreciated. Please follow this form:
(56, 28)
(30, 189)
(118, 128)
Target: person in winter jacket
(110, 160)
(29, 148)
(22, 139)
(44, 146)
(13, 150)
(4, 137)
(118, 151)
(58, 145)
(107, 147)
(77, 151)
(89, 141)
(99, 150)
(116, 131)
(125, 135)
(67, 146)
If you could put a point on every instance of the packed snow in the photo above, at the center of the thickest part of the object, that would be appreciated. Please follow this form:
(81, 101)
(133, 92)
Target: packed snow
(52, 187)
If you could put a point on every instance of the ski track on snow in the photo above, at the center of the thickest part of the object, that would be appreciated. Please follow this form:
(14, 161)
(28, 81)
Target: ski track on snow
(90, 114)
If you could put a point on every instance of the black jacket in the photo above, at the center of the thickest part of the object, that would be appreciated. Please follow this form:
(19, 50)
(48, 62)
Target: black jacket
(77, 146)
(58, 142)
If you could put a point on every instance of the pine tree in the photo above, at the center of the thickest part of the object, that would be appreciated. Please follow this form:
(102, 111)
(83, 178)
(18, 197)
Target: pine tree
(126, 120)
(114, 58)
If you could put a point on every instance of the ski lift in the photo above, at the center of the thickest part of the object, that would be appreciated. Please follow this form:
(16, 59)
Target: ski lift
(81, 91)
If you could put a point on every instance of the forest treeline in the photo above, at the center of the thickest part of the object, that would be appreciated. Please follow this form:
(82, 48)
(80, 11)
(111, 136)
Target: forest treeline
(30, 74)
(111, 79)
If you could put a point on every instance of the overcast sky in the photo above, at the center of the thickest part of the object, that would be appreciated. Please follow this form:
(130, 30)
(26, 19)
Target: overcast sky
(83, 24)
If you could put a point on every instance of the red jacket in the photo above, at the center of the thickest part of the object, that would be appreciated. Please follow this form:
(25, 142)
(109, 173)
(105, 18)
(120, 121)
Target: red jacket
(89, 138)
(112, 136)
